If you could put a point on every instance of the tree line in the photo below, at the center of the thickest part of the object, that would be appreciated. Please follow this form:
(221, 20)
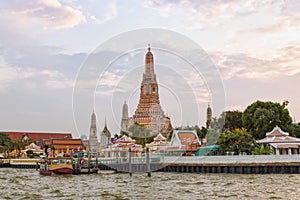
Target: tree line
(240, 130)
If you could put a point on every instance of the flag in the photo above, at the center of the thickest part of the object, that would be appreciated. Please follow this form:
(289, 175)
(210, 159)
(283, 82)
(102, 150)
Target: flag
(115, 140)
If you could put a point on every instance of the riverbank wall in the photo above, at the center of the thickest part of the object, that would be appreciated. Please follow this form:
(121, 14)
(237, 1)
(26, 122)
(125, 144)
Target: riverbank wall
(246, 164)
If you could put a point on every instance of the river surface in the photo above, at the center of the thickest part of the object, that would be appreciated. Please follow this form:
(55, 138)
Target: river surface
(28, 184)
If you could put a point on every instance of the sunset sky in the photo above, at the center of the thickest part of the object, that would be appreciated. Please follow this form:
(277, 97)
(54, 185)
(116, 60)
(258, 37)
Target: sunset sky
(254, 44)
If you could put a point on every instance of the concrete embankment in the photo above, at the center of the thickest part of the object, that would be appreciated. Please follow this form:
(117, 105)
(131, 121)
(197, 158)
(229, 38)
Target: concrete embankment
(250, 164)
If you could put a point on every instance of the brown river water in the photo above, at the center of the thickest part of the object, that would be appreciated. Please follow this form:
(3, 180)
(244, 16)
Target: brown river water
(28, 184)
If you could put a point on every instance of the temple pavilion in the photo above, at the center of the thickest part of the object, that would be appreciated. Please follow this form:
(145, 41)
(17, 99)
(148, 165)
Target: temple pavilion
(281, 142)
(159, 143)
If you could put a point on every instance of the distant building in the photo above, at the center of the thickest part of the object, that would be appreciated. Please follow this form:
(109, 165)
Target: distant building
(67, 145)
(35, 136)
(184, 138)
(125, 122)
(149, 112)
(281, 142)
(208, 117)
(93, 141)
(105, 137)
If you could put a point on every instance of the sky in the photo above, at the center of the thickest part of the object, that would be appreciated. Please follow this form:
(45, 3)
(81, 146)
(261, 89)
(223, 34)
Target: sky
(50, 66)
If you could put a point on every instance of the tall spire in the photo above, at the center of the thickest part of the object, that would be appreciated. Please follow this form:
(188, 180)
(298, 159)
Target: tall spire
(105, 125)
(93, 141)
(208, 116)
(125, 118)
(125, 110)
(149, 66)
(93, 121)
(149, 112)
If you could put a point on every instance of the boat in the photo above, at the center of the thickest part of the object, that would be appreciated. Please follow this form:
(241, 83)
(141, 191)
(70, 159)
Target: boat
(49, 166)
(61, 165)
(43, 167)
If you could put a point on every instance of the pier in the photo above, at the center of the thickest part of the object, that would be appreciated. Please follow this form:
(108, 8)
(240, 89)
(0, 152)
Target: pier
(246, 164)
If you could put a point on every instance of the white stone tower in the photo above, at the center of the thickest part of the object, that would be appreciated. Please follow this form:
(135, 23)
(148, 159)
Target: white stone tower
(93, 141)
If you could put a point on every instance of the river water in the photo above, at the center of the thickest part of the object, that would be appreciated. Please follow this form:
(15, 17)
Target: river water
(28, 184)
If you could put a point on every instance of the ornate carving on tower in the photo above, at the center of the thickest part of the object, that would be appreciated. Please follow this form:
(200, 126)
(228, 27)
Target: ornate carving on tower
(149, 112)
(93, 141)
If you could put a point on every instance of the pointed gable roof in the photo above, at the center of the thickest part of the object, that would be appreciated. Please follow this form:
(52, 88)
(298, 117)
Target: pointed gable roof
(160, 137)
(278, 136)
(277, 132)
(105, 131)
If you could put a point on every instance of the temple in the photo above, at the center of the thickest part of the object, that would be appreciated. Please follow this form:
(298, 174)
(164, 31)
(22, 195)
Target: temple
(281, 142)
(105, 137)
(149, 112)
(208, 117)
(93, 141)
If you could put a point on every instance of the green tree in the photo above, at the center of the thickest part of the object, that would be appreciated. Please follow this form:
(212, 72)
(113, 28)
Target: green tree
(238, 140)
(261, 149)
(294, 130)
(5, 143)
(261, 117)
(218, 123)
(212, 136)
(233, 120)
(140, 134)
(202, 132)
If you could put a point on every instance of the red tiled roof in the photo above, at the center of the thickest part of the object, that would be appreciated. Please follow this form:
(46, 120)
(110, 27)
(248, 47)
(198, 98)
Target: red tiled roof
(35, 135)
(63, 144)
(277, 132)
(66, 142)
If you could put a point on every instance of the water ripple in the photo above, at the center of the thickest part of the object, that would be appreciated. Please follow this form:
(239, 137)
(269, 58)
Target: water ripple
(28, 184)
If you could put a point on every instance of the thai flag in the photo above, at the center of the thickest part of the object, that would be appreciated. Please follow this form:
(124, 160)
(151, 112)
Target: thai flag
(115, 140)
(122, 139)
(133, 146)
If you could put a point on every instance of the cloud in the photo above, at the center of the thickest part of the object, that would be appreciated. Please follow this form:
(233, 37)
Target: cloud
(285, 63)
(31, 78)
(110, 12)
(207, 9)
(50, 14)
